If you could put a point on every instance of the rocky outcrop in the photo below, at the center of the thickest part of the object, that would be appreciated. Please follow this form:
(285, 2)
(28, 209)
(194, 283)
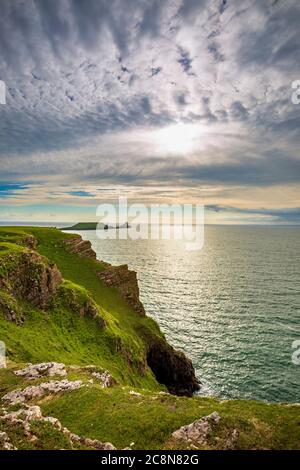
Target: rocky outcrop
(37, 391)
(105, 378)
(44, 369)
(172, 368)
(81, 303)
(120, 277)
(30, 241)
(198, 431)
(32, 278)
(80, 247)
(5, 442)
(10, 308)
(125, 281)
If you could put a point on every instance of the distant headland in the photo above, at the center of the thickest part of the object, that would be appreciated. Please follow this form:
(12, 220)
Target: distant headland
(95, 226)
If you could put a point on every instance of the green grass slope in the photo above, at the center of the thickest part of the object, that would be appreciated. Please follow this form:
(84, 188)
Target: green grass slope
(57, 334)
(145, 418)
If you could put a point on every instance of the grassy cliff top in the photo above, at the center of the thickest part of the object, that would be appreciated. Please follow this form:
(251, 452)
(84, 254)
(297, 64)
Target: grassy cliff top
(66, 337)
(83, 226)
(54, 307)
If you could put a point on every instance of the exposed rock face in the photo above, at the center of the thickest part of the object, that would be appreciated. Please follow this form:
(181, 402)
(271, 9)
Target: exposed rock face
(49, 369)
(105, 378)
(10, 308)
(30, 241)
(5, 442)
(172, 368)
(199, 430)
(37, 391)
(33, 278)
(231, 440)
(120, 277)
(80, 247)
(84, 308)
(91, 310)
(125, 281)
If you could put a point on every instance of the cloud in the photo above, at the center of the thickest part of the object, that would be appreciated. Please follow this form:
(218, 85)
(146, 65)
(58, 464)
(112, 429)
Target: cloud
(91, 84)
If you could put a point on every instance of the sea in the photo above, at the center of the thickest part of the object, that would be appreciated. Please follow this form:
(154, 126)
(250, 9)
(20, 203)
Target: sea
(233, 307)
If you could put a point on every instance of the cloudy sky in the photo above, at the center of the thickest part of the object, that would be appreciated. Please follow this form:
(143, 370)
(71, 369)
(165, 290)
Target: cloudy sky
(158, 100)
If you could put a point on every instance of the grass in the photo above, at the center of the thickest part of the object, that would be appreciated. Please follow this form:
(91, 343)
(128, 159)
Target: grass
(66, 336)
(60, 333)
(148, 421)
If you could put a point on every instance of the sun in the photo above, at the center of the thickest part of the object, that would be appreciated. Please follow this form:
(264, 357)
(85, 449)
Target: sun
(178, 138)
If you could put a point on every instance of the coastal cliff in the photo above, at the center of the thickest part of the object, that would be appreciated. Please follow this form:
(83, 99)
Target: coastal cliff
(86, 368)
(36, 279)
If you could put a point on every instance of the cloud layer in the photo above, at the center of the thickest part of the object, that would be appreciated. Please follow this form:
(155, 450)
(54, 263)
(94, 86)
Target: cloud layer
(91, 85)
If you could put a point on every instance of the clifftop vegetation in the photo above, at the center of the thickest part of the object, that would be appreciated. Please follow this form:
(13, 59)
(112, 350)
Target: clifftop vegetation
(110, 366)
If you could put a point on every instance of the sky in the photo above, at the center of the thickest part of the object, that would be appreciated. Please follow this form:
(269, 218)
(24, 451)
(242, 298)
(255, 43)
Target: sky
(160, 101)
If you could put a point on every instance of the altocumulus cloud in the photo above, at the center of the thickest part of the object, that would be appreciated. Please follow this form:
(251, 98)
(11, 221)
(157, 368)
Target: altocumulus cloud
(89, 83)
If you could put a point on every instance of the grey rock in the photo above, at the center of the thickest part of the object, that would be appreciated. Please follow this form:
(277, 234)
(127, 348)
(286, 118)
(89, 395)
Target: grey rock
(36, 391)
(198, 430)
(35, 371)
(104, 377)
(98, 444)
(5, 442)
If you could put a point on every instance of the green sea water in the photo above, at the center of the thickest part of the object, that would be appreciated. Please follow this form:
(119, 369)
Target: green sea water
(233, 307)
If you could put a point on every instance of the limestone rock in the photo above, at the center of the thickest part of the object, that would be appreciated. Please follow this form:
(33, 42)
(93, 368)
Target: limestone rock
(54, 421)
(125, 281)
(24, 414)
(10, 308)
(231, 440)
(97, 444)
(33, 278)
(35, 371)
(134, 394)
(30, 241)
(36, 391)
(80, 247)
(198, 430)
(5, 442)
(104, 377)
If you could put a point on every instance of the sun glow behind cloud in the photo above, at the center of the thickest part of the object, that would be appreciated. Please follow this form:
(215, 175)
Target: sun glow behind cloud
(178, 139)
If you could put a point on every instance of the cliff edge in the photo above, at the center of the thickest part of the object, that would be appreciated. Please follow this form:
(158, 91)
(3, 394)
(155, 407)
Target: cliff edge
(40, 281)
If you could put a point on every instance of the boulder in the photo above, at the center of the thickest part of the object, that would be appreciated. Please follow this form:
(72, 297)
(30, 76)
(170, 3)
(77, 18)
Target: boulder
(197, 431)
(105, 378)
(36, 391)
(35, 371)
